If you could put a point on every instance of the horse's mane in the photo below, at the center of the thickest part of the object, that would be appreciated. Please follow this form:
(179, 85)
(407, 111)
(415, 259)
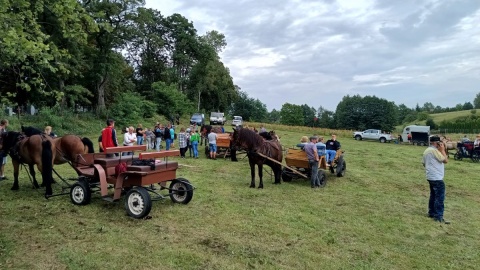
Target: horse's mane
(266, 135)
(30, 131)
(9, 139)
(250, 137)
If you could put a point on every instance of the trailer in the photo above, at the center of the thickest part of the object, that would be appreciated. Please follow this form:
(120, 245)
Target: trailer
(420, 134)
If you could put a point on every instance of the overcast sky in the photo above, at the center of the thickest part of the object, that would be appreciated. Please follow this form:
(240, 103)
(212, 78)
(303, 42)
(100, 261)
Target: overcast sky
(315, 52)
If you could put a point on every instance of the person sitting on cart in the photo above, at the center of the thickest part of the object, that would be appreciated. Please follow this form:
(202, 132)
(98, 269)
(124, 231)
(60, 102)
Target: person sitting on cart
(476, 143)
(303, 142)
(332, 146)
(465, 139)
(321, 146)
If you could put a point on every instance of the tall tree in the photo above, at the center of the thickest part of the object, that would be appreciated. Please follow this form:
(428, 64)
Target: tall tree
(476, 101)
(291, 115)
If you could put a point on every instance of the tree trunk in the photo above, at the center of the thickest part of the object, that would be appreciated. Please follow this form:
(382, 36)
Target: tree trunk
(101, 95)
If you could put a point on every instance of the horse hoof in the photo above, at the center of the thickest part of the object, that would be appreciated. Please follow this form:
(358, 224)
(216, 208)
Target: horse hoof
(277, 183)
(260, 187)
(14, 188)
(252, 186)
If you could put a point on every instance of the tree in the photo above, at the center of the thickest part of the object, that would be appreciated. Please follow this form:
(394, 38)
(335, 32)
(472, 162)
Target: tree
(467, 106)
(291, 115)
(309, 115)
(431, 123)
(174, 102)
(274, 116)
(325, 118)
(476, 101)
(250, 109)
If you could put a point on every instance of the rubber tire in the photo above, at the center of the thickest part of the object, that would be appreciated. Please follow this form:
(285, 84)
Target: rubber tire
(80, 193)
(383, 140)
(421, 144)
(286, 177)
(457, 156)
(341, 167)
(358, 138)
(322, 177)
(185, 191)
(138, 202)
(475, 156)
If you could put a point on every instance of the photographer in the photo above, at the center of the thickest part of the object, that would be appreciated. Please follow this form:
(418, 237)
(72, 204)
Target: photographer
(434, 159)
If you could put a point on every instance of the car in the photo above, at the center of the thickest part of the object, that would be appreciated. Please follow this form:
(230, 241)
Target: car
(372, 134)
(237, 121)
(217, 118)
(198, 118)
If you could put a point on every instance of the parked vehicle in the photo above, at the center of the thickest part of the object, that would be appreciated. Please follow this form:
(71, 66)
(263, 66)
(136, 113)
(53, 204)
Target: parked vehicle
(420, 134)
(372, 134)
(217, 118)
(237, 121)
(198, 118)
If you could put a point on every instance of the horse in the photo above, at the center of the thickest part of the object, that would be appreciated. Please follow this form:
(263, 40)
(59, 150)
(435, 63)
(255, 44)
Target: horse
(257, 148)
(69, 146)
(34, 150)
(270, 135)
(449, 144)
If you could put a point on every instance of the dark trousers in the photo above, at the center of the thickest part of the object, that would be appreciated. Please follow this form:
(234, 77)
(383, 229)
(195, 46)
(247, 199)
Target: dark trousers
(183, 151)
(437, 198)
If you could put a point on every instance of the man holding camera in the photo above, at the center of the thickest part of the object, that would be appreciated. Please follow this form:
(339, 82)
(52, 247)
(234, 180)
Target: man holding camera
(434, 159)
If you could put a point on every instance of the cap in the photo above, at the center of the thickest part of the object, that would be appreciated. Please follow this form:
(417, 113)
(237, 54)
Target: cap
(434, 139)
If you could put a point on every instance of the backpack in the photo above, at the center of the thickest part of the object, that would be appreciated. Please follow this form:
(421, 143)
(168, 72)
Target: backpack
(144, 162)
(120, 168)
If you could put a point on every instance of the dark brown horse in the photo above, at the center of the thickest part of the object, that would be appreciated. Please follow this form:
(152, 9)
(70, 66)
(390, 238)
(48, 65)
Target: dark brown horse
(69, 146)
(257, 148)
(34, 150)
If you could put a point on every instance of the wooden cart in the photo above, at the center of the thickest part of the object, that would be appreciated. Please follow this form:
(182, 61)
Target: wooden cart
(223, 145)
(98, 173)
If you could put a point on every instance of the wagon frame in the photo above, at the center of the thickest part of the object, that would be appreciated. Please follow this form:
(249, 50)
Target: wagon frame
(97, 174)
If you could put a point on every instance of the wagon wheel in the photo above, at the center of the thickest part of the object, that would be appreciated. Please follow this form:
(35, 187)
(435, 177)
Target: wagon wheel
(475, 156)
(181, 191)
(322, 177)
(138, 202)
(80, 193)
(458, 156)
(341, 167)
(286, 177)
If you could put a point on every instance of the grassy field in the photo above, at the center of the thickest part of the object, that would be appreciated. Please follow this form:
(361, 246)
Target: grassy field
(373, 218)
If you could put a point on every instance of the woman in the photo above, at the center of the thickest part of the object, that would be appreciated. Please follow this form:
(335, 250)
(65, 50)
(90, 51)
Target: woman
(129, 138)
(182, 142)
(48, 131)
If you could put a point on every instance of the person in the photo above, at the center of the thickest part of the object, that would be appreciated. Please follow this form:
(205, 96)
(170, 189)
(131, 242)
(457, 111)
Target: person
(158, 136)
(167, 136)
(129, 138)
(109, 136)
(48, 131)
(212, 144)
(303, 142)
(3, 155)
(194, 139)
(465, 139)
(149, 137)
(321, 146)
(139, 134)
(409, 138)
(172, 136)
(188, 132)
(476, 143)
(434, 159)
(262, 129)
(332, 146)
(312, 155)
(182, 142)
(100, 146)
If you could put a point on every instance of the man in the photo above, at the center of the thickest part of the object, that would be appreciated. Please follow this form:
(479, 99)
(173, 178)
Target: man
(312, 155)
(3, 155)
(434, 159)
(109, 135)
(158, 136)
(212, 144)
(167, 137)
(465, 139)
(332, 146)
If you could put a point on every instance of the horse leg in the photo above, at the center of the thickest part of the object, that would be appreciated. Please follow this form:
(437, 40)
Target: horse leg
(32, 173)
(15, 175)
(260, 175)
(252, 173)
(277, 170)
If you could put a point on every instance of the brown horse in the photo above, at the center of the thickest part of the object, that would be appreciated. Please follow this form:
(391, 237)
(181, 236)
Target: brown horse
(449, 144)
(34, 150)
(69, 146)
(257, 148)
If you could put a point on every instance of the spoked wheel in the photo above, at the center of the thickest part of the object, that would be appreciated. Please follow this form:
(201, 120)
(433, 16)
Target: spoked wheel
(458, 156)
(181, 191)
(475, 156)
(138, 202)
(341, 167)
(322, 177)
(286, 177)
(80, 193)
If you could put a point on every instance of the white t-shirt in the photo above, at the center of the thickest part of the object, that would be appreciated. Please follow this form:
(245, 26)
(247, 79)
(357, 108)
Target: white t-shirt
(212, 138)
(128, 137)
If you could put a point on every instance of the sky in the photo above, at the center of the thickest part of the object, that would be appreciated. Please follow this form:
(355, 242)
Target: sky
(315, 52)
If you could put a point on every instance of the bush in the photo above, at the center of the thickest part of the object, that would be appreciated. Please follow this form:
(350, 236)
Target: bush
(431, 123)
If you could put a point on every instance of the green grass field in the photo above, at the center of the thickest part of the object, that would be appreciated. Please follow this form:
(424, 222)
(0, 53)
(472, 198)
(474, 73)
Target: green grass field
(373, 218)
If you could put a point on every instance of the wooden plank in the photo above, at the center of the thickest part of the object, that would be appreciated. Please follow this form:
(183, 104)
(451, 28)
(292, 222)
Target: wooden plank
(118, 149)
(161, 154)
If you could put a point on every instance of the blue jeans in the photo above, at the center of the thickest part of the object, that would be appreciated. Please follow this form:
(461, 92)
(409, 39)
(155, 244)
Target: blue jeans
(158, 142)
(167, 144)
(330, 155)
(195, 148)
(314, 181)
(139, 140)
(437, 198)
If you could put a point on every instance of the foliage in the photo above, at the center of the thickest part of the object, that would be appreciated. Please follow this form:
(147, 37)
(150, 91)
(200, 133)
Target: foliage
(431, 124)
(172, 102)
(249, 108)
(476, 101)
(326, 118)
(368, 112)
(131, 107)
(292, 115)
(422, 116)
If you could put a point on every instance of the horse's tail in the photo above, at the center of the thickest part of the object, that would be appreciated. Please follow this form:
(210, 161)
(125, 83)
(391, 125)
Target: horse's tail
(47, 166)
(88, 143)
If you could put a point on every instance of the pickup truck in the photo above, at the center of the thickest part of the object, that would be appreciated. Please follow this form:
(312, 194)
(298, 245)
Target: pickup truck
(372, 134)
(217, 118)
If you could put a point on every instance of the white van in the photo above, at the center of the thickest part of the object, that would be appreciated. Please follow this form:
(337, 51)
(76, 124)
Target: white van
(237, 121)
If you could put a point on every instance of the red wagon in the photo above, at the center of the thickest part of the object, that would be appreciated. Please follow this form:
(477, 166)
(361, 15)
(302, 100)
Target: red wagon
(133, 176)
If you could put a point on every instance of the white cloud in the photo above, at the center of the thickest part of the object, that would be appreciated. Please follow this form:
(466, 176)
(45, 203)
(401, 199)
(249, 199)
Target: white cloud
(313, 52)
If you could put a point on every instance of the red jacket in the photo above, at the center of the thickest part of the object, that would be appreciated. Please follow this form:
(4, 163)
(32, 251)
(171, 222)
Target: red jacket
(109, 138)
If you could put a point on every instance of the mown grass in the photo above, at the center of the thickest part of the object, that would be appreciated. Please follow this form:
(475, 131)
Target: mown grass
(373, 218)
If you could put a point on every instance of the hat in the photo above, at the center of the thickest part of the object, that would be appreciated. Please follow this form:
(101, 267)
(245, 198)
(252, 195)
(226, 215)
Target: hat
(434, 139)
